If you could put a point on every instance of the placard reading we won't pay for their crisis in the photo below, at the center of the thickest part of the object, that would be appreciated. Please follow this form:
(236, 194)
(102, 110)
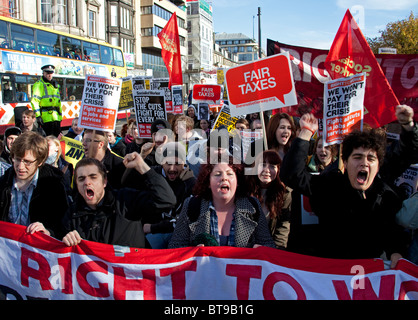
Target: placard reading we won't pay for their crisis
(343, 107)
(99, 106)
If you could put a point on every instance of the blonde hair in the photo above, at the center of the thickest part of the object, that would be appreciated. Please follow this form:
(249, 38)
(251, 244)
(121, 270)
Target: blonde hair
(58, 145)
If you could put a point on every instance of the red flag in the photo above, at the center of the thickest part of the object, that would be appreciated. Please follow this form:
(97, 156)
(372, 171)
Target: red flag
(170, 52)
(350, 54)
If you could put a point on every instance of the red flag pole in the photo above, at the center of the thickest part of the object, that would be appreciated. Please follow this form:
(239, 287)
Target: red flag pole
(351, 54)
(170, 50)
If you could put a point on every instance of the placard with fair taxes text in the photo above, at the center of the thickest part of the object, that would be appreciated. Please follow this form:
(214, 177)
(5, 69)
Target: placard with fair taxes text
(265, 84)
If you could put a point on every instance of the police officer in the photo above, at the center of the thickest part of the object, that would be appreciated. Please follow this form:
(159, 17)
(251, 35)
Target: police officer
(46, 102)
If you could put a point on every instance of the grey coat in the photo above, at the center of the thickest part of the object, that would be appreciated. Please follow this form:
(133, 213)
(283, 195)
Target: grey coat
(250, 228)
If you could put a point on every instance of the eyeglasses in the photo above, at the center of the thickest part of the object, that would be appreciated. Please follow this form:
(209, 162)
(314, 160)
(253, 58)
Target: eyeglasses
(26, 163)
(89, 140)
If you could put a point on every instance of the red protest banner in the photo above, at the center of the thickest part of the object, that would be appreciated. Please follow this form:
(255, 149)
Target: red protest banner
(40, 267)
(262, 85)
(170, 52)
(310, 75)
(351, 54)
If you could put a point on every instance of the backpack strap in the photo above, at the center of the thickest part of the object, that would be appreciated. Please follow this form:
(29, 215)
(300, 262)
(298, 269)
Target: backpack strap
(193, 209)
(256, 207)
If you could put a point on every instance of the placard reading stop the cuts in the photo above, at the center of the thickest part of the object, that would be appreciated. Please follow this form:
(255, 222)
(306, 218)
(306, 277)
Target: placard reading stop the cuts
(262, 85)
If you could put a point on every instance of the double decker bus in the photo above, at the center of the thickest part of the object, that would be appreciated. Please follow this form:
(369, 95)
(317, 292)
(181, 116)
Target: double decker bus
(26, 47)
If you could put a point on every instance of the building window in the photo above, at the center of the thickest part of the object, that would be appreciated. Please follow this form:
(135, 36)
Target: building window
(245, 57)
(181, 23)
(156, 30)
(46, 11)
(146, 32)
(156, 63)
(126, 45)
(92, 24)
(113, 16)
(125, 18)
(73, 13)
(61, 12)
(114, 41)
(189, 48)
(9, 8)
(146, 10)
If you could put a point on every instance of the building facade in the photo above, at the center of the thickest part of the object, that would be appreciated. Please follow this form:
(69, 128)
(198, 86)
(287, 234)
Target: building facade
(121, 28)
(134, 26)
(243, 46)
(154, 15)
(79, 17)
(199, 43)
(130, 24)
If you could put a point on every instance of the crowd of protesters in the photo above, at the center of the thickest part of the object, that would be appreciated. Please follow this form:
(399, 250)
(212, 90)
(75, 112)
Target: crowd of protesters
(189, 185)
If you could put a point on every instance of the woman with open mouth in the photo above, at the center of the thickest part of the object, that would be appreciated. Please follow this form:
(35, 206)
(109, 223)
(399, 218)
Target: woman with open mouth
(280, 132)
(323, 156)
(220, 213)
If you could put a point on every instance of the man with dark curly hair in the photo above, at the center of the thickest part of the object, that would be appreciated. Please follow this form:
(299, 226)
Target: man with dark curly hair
(355, 207)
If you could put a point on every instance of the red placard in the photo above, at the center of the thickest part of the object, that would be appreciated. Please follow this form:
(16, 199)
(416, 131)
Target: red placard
(262, 85)
(210, 93)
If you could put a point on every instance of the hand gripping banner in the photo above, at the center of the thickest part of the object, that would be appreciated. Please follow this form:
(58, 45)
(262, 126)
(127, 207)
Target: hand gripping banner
(40, 267)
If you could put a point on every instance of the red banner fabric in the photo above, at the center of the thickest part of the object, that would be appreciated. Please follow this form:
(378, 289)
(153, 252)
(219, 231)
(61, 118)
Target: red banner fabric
(40, 267)
(310, 75)
(351, 54)
(170, 52)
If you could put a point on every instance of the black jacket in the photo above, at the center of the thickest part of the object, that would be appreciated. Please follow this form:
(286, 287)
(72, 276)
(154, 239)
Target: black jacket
(48, 204)
(119, 217)
(119, 147)
(350, 227)
(182, 188)
(114, 168)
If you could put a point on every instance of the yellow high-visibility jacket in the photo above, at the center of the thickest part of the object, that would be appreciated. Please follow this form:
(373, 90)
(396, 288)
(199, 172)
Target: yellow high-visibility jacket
(46, 101)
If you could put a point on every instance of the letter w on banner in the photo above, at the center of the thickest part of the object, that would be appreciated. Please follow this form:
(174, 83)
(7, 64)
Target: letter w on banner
(350, 54)
(170, 52)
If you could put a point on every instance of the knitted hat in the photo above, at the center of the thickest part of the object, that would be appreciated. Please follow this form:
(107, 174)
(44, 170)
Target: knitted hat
(160, 124)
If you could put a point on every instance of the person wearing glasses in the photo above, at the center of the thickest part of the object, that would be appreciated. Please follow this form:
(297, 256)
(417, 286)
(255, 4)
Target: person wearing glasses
(32, 193)
(95, 146)
(46, 102)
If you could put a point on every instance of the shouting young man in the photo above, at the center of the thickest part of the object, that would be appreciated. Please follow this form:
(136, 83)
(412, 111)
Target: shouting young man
(356, 208)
